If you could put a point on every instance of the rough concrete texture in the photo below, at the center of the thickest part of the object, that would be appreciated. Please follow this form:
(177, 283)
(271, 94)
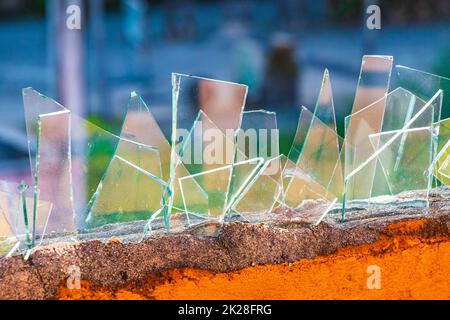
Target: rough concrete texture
(236, 245)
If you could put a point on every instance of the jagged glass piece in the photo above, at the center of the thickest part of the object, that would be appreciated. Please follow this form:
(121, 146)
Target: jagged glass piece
(74, 156)
(303, 125)
(258, 137)
(373, 81)
(92, 151)
(406, 117)
(301, 192)
(223, 102)
(242, 173)
(140, 125)
(443, 127)
(9, 204)
(320, 156)
(206, 194)
(134, 167)
(373, 85)
(135, 170)
(423, 84)
(19, 226)
(404, 162)
(324, 109)
(359, 148)
(204, 150)
(262, 193)
(48, 131)
(443, 171)
(441, 165)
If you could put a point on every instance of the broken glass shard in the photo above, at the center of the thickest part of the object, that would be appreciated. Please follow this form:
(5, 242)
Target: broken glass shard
(301, 192)
(136, 169)
(408, 122)
(373, 82)
(222, 101)
(320, 156)
(206, 194)
(260, 196)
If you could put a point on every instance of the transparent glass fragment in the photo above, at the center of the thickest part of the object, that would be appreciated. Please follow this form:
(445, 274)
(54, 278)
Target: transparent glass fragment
(324, 109)
(373, 82)
(8, 202)
(206, 194)
(320, 156)
(441, 165)
(262, 193)
(48, 132)
(258, 137)
(53, 170)
(408, 125)
(303, 125)
(20, 226)
(443, 171)
(74, 156)
(206, 148)
(136, 170)
(222, 102)
(301, 192)
(423, 84)
(405, 161)
(389, 113)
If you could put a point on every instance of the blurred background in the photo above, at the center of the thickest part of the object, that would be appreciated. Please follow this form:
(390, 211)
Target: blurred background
(278, 48)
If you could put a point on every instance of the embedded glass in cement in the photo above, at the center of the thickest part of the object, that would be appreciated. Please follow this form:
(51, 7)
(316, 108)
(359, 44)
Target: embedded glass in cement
(403, 147)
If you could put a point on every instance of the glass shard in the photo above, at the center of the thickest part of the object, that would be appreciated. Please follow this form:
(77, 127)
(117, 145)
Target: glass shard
(320, 156)
(258, 137)
(373, 82)
(206, 194)
(408, 122)
(20, 226)
(261, 194)
(138, 172)
(222, 102)
(301, 192)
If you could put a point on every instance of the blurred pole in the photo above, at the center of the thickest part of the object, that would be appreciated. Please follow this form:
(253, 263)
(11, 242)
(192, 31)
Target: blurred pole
(98, 87)
(70, 51)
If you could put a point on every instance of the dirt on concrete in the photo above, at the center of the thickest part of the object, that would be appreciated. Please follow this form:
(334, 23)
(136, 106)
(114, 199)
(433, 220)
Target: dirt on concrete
(155, 264)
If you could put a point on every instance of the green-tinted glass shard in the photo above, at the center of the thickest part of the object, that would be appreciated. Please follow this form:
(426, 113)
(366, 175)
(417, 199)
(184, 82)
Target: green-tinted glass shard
(405, 162)
(258, 137)
(324, 109)
(302, 192)
(222, 101)
(303, 125)
(261, 194)
(424, 85)
(136, 170)
(18, 223)
(320, 156)
(391, 112)
(206, 194)
(373, 82)
(393, 148)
